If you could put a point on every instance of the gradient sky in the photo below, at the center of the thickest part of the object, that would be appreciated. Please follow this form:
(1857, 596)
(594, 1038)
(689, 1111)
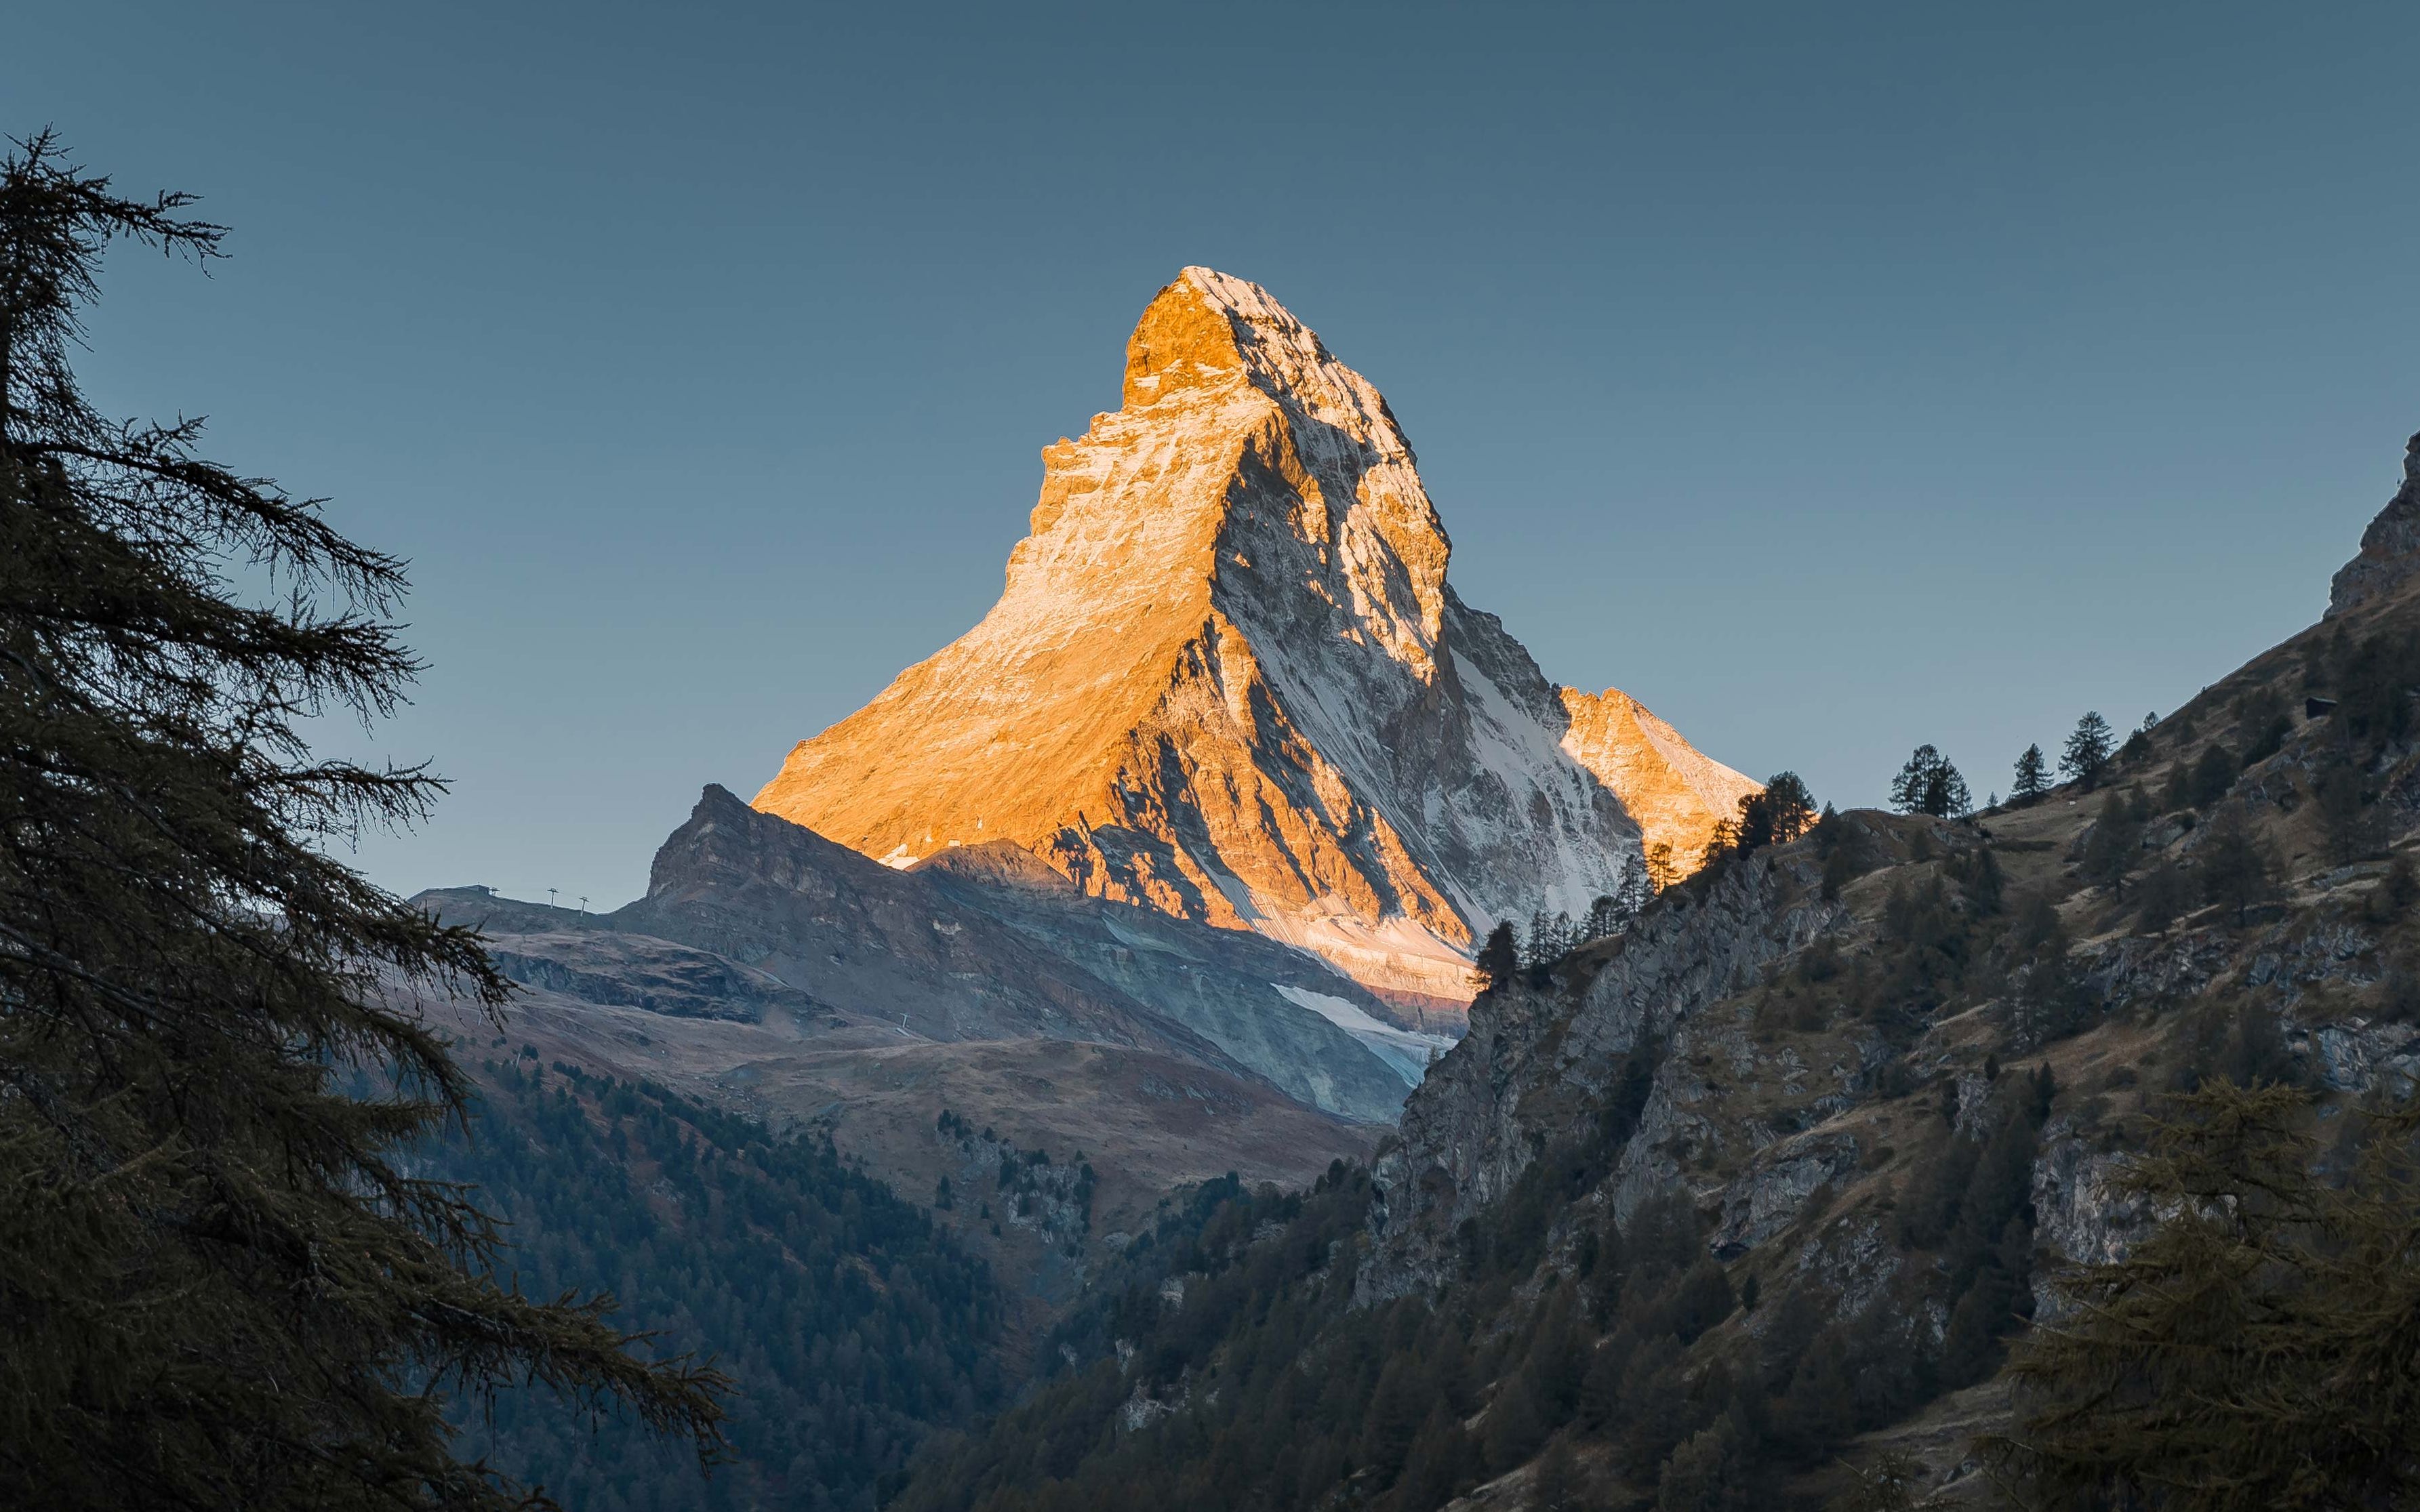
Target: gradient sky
(1831, 378)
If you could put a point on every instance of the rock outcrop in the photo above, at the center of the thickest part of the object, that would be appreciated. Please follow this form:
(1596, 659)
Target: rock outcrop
(1227, 679)
(2390, 549)
(1538, 1068)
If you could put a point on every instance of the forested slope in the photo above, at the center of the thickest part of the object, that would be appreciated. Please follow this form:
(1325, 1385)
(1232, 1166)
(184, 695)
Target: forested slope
(848, 1323)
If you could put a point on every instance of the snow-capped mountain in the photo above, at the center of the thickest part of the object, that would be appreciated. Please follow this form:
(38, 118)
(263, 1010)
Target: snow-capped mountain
(1228, 679)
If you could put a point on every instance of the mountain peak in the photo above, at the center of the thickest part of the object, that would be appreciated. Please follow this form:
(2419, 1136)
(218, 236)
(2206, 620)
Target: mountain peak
(1187, 339)
(1226, 679)
(1208, 329)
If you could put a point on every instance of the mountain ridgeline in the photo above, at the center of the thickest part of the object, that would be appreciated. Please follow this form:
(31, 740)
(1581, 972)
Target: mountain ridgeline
(1794, 1193)
(1131, 939)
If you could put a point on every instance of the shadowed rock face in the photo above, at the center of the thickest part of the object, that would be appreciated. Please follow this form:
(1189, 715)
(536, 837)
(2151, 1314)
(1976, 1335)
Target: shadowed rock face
(636, 971)
(755, 919)
(1228, 679)
(2390, 549)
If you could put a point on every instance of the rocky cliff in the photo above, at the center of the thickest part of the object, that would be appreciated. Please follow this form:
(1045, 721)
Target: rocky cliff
(1802, 1042)
(1228, 679)
(2390, 549)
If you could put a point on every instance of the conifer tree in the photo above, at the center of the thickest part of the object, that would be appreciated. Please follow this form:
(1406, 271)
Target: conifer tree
(1554, 1486)
(1945, 794)
(1440, 1459)
(2163, 895)
(1928, 784)
(1722, 842)
(1705, 1471)
(222, 1284)
(1662, 870)
(1545, 941)
(2213, 774)
(1604, 917)
(2236, 867)
(2115, 844)
(1499, 959)
(2033, 777)
(1636, 891)
(2088, 749)
(1777, 815)
(1515, 1425)
(2254, 1350)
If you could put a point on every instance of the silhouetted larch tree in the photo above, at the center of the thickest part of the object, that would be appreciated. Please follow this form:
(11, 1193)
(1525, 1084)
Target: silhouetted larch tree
(1662, 870)
(221, 1283)
(1781, 811)
(1499, 959)
(2033, 777)
(2088, 749)
(1614, 913)
(1928, 784)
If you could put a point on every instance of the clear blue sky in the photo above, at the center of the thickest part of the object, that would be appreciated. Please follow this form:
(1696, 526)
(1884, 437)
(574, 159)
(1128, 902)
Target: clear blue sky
(1833, 378)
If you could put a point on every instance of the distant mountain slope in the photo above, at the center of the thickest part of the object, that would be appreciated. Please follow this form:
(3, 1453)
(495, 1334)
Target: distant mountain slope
(852, 1324)
(772, 971)
(1227, 678)
(944, 957)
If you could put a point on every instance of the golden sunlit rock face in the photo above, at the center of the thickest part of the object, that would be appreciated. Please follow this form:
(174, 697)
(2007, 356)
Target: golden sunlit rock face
(1227, 679)
(1673, 792)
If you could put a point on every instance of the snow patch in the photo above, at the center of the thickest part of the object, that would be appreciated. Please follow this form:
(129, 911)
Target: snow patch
(1406, 1052)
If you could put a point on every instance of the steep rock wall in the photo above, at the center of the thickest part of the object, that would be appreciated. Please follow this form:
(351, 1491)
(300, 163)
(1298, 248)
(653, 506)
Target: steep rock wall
(1227, 679)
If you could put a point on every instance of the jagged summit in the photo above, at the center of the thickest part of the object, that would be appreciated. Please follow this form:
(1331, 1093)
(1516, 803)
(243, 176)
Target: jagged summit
(1227, 679)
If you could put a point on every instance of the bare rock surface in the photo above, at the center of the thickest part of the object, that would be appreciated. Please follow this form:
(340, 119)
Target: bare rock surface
(2390, 549)
(1228, 679)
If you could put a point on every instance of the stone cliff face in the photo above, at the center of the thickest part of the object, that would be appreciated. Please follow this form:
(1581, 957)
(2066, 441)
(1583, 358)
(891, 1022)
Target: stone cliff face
(1538, 1067)
(1673, 792)
(1228, 679)
(2390, 549)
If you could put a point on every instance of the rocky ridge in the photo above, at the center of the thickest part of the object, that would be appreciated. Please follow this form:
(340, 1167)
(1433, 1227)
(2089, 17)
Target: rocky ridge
(1802, 1132)
(1228, 679)
(2390, 549)
(752, 912)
